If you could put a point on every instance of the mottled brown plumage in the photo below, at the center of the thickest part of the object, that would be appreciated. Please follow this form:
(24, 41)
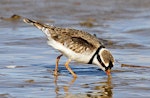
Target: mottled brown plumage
(107, 57)
(76, 40)
(76, 45)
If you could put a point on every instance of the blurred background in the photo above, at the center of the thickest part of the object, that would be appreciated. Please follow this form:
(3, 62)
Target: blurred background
(27, 62)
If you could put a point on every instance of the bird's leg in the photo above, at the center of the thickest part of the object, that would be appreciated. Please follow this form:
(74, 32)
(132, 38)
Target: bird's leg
(56, 67)
(69, 69)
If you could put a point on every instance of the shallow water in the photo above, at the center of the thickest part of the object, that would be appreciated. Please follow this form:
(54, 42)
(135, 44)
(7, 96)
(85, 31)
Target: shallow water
(27, 62)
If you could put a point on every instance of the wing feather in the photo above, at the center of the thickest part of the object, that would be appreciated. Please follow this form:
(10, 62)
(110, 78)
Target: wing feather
(75, 40)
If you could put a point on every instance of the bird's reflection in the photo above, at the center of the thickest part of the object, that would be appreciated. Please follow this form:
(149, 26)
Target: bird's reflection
(101, 89)
(65, 87)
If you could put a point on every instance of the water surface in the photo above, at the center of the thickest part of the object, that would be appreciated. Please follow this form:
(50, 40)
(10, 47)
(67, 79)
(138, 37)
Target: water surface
(27, 62)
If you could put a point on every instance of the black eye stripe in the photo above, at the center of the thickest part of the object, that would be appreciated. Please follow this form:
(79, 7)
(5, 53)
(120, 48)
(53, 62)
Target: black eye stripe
(99, 59)
(106, 68)
(110, 65)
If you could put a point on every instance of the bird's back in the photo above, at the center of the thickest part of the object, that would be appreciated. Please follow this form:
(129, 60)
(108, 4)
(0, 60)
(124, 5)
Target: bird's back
(76, 40)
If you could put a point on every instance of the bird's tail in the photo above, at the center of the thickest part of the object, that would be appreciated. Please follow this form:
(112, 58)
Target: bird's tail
(34, 23)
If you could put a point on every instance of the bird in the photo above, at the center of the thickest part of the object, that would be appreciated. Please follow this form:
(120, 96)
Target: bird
(76, 45)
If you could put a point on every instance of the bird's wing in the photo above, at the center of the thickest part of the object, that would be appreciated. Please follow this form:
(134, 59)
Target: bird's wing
(75, 40)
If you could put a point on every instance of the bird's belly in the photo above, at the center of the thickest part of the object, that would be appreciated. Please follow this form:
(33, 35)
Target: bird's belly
(78, 57)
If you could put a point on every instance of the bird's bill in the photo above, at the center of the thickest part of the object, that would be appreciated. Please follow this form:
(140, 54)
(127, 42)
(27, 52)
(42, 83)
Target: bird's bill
(108, 72)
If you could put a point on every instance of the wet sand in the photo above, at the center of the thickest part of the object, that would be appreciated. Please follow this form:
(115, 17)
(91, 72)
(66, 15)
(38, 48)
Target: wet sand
(27, 62)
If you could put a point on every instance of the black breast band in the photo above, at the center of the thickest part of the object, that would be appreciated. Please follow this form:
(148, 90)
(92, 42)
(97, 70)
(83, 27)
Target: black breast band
(97, 51)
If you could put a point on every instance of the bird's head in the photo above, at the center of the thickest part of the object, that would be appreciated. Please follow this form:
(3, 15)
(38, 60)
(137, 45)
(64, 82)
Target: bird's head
(105, 60)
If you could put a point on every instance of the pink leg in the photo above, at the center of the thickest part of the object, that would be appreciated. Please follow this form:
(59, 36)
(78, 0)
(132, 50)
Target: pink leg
(56, 67)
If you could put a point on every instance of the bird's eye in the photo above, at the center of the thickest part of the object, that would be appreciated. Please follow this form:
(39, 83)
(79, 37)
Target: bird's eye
(110, 66)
